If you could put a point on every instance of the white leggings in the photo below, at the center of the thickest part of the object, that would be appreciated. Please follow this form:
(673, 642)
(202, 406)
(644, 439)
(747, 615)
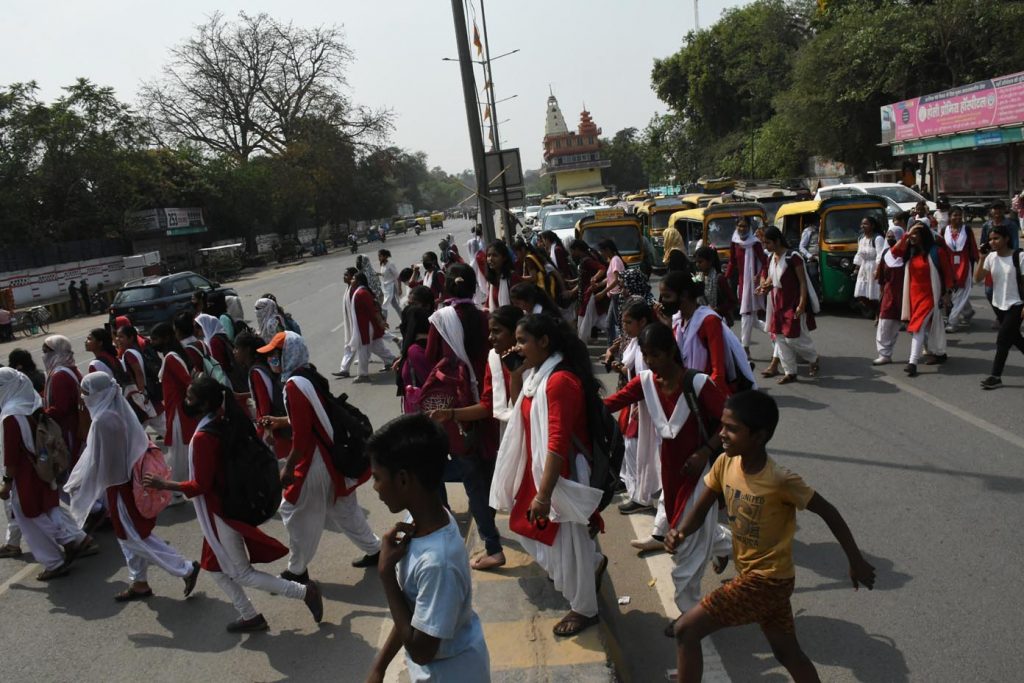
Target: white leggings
(236, 571)
(886, 334)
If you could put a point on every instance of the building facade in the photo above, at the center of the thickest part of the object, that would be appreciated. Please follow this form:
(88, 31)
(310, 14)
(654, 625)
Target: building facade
(572, 159)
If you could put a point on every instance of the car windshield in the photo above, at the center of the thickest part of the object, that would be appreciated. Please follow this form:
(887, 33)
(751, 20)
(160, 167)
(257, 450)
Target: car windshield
(843, 227)
(659, 221)
(557, 221)
(532, 209)
(134, 295)
(626, 238)
(720, 230)
(897, 193)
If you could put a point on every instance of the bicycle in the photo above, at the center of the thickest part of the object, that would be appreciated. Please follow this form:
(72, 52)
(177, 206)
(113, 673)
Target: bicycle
(34, 321)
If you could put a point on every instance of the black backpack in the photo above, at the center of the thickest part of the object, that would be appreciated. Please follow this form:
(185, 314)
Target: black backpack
(607, 452)
(351, 429)
(151, 363)
(252, 480)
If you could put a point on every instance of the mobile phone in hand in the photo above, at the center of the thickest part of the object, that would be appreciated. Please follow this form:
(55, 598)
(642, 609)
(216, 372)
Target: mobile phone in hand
(513, 360)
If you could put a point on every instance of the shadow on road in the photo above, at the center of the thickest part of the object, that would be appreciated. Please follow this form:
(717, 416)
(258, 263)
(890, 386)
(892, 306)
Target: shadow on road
(827, 559)
(828, 642)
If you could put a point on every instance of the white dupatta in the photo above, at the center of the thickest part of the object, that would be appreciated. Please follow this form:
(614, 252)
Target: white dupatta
(776, 269)
(749, 301)
(695, 354)
(571, 501)
(937, 328)
(447, 323)
(355, 334)
(502, 409)
(501, 295)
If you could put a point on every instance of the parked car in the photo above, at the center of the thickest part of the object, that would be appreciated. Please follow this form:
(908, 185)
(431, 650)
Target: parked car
(898, 197)
(153, 300)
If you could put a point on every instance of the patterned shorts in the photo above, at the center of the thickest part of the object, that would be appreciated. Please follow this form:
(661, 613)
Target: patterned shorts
(753, 599)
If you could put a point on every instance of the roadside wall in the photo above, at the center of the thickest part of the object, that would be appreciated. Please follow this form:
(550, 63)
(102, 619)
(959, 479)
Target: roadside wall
(34, 286)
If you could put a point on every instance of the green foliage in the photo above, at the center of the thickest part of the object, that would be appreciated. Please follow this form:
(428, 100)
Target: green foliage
(626, 152)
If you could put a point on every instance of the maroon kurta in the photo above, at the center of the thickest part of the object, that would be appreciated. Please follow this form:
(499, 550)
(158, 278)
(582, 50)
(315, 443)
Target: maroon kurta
(34, 495)
(785, 300)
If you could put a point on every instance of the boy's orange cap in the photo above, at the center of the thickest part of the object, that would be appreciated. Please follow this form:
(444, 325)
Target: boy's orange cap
(276, 343)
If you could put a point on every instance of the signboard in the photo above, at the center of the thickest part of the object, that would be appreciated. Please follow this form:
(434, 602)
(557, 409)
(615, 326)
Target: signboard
(172, 221)
(504, 171)
(992, 103)
(974, 172)
(605, 214)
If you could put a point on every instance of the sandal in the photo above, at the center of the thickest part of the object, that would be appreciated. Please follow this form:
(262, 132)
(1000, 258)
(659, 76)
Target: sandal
(10, 551)
(84, 548)
(483, 563)
(55, 573)
(815, 367)
(573, 624)
(130, 595)
(787, 379)
(770, 371)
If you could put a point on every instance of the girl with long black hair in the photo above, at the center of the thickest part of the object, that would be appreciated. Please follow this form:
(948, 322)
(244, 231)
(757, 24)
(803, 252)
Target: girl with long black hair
(501, 276)
(547, 450)
(175, 376)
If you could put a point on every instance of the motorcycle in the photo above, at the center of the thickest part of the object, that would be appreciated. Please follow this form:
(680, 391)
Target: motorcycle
(353, 244)
(419, 229)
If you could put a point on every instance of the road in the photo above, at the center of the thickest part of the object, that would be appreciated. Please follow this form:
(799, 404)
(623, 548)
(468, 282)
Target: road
(928, 472)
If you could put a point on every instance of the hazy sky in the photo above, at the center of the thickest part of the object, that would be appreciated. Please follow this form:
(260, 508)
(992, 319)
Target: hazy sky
(594, 51)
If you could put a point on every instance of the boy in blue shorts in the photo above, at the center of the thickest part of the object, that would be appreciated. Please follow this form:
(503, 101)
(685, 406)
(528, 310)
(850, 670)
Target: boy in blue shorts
(761, 499)
(423, 563)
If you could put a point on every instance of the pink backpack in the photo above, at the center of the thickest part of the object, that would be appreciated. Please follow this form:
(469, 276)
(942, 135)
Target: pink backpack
(448, 385)
(150, 502)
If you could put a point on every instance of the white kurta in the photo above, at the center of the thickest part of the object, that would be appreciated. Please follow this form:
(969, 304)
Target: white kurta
(869, 250)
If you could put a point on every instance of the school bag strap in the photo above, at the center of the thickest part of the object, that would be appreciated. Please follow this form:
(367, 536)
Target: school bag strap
(690, 396)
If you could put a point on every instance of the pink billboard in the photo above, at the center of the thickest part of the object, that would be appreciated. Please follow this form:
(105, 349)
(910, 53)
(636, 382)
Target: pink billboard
(996, 102)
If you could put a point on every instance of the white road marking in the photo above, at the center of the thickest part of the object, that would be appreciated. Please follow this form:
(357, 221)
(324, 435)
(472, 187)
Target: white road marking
(660, 566)
(28, 569)
(338, 326)
(985, 425)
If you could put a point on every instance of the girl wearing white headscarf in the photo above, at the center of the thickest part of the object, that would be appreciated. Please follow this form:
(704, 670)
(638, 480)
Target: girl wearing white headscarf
(268, 320)
(316, 495)
(34, 504)
(60, 397)
(890, 278)
(116, 442)
(216, 338)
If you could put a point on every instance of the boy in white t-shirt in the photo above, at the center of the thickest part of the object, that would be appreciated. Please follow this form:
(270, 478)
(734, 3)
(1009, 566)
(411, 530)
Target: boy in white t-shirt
(423, 562)
(1004, 265)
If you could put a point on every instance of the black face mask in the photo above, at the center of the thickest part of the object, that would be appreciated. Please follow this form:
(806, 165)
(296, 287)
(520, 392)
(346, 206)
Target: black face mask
(192, 409)
(891, 241)
(670, 307)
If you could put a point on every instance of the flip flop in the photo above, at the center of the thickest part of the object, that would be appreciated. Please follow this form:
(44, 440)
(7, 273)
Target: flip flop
(131, 596)
(787, 379)
(573, 624)
(770, 372)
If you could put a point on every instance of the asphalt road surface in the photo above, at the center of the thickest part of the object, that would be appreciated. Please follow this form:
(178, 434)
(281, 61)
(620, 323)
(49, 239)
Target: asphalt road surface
(928, 472)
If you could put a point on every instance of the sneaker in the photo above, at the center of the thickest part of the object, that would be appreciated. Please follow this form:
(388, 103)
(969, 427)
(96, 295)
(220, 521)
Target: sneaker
(302, 578)
(631, 507)
(366, 561)
(257, 623)
(911, 369)
(190, 580)
(341, 375)
(951, 328)
(991, 382)
(881, 360)
(314, 601)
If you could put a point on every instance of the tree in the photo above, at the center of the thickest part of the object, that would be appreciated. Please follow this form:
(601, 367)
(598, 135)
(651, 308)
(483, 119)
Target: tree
(244, 88)
(625, 151)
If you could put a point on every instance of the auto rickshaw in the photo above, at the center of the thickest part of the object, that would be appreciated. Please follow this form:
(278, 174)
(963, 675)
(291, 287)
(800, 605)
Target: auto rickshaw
(617, 226)
(771, 198)
(837, 241)
(698, 199)
(437, 219)
(654, 217)
(399, 225)
(715, 224)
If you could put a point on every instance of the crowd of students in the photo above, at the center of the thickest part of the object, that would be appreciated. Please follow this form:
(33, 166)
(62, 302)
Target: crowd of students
(495, 378)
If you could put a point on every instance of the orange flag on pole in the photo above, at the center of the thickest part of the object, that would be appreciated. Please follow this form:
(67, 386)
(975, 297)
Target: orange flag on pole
(476, 41)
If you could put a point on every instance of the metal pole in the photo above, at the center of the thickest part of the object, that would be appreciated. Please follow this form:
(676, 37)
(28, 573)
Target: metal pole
(476, 142)
(495, 137)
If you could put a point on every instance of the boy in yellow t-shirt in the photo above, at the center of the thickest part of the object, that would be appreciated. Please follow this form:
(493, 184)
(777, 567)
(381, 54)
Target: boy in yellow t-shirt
(761, 498)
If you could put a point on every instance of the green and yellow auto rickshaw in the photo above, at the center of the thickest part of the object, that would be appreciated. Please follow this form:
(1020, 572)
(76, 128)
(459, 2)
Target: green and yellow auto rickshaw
(837, 241)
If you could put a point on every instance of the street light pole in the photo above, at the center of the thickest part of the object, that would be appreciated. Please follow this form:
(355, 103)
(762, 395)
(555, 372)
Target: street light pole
(476, 142)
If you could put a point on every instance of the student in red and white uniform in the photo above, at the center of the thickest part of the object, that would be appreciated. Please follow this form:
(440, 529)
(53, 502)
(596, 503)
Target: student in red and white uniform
(366, 331)
(230, 547)
(195, 349)
(500, 275)
(747, 261)
(61, 396)
(175, 376)
(431, 276)
(216, 339)
(543, 468)
(137, 389)
(316, 495)
(705, 343)
(495, 403)
(685, 443)
(792, 303)
(34, 504)
(964, 256)
(116, 442)
(265, 392)
(100, 344)
(591, 313)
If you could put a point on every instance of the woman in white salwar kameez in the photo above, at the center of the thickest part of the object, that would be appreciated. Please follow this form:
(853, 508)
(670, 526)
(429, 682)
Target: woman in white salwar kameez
(543, 469)
(230, 546)
(316, 495)
(870, 246)
(116, 441)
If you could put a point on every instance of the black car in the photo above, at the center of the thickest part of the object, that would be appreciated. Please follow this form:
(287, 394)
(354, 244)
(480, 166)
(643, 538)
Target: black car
(158, 299)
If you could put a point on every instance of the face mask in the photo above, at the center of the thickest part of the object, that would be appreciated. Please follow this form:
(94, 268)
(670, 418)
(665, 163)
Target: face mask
(670, 307)
(891, 241)
(192, 409)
